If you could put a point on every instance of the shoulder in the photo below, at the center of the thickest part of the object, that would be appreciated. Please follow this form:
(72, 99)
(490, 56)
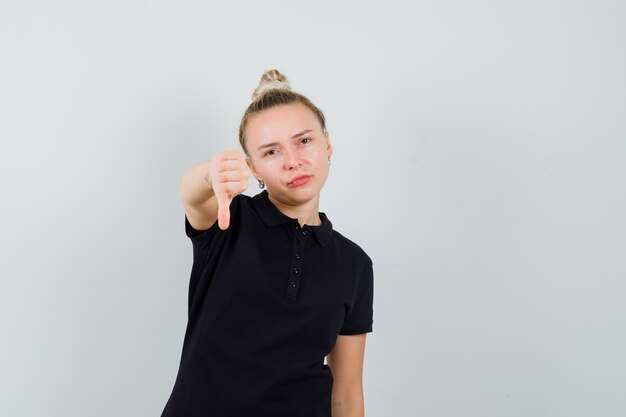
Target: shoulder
(242, 200)
(240, 206)
(351, 249)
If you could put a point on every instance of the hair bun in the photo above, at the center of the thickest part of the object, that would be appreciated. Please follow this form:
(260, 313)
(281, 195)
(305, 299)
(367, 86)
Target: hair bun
(271, 79)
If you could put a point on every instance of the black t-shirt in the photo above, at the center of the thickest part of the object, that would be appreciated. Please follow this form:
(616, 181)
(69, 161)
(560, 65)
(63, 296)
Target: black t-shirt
(267, 299)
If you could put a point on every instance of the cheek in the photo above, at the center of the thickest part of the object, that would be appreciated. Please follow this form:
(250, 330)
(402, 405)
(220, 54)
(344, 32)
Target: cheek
(322, 157)
(272, 169)
(317, 153)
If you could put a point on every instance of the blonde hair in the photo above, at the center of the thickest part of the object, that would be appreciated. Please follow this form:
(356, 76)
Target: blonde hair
(274, 90)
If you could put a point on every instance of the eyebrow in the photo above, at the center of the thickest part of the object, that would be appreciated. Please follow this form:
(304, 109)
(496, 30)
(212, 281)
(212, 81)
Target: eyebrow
(267, 145)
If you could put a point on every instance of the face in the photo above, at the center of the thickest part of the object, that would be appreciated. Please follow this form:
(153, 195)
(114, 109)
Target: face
(286, 142)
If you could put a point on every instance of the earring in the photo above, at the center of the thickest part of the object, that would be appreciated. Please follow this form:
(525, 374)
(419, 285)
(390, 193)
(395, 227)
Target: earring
(329, 160)
(261, 184)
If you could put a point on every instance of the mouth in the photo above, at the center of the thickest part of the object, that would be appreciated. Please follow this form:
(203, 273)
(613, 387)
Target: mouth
(303, 179)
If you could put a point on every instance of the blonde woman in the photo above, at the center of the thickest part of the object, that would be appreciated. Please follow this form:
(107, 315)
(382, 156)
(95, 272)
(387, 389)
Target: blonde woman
(274, 288)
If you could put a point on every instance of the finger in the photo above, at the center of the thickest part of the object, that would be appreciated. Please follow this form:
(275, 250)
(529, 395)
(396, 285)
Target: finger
(230, 177)
(223, 212)
(231, 165)
(231, 155)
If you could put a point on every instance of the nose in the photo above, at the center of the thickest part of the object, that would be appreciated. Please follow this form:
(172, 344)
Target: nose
(292, 159)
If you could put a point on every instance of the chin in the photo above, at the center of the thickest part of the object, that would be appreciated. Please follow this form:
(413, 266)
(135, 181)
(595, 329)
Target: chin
(301, 194)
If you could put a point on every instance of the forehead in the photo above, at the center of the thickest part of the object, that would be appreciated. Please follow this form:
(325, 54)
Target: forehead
(280, 123)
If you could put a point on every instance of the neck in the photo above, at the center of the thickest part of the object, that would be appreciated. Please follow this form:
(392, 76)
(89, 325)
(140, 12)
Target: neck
(306, 213)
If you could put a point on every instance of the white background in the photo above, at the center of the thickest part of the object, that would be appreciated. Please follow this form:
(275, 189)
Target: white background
(479, 160)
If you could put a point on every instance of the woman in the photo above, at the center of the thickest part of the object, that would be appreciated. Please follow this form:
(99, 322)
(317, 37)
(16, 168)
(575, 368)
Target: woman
(274, 289)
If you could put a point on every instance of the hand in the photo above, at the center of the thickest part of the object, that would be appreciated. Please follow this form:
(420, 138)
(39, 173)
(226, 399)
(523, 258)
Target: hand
(229, 176)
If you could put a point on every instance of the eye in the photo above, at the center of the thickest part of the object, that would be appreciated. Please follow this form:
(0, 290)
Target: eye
(268, 152)
(303, 139)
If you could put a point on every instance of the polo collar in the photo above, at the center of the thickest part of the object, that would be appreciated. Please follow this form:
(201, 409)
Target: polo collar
(271, 216)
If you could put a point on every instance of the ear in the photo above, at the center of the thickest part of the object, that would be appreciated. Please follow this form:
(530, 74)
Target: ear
(329, 146)
(251, 166)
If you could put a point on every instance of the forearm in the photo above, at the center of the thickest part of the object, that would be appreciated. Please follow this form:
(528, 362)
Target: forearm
(195, 186)
(348, 408)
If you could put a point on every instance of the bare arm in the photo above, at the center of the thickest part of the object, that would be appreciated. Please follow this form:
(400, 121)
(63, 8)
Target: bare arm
(346, 363)
(197, 196)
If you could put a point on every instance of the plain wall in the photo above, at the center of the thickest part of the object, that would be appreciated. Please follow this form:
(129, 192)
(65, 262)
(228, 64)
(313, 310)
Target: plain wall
(479, 160)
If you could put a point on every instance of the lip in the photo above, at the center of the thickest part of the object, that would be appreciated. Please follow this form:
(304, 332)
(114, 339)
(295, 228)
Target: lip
(298, 178)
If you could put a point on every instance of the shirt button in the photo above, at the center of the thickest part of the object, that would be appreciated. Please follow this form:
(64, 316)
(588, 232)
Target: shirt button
(305, 232)
(296, 271)
(293, 284)
(298, 256)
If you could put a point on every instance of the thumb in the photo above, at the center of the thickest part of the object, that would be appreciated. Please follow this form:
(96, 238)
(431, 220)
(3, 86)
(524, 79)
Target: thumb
(223, 211)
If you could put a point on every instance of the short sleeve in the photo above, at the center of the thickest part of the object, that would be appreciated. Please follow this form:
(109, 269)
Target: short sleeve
(206, 236)
(194, 234)
(360, 315)
(204, 242)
